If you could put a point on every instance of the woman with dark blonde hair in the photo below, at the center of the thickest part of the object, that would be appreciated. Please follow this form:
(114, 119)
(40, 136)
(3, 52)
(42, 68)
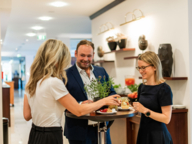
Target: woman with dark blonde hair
(154, 102)
(46, 96)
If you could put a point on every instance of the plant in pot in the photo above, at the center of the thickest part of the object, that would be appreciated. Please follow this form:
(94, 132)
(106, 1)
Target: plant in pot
(119, 90)
(121, 40)
(99, 88)
(112, 43)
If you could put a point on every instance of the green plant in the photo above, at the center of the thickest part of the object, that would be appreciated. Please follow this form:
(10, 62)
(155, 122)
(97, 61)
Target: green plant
(117, 86)
(134, 87)
(99, 87)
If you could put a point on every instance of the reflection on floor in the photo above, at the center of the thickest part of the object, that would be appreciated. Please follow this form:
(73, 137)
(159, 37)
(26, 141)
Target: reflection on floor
(19, 130)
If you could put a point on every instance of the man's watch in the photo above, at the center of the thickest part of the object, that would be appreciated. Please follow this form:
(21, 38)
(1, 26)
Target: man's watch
(147, 114)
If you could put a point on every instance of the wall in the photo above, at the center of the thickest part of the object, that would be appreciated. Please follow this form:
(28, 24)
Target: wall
(164, 22)
(190, 53)
(1, 111)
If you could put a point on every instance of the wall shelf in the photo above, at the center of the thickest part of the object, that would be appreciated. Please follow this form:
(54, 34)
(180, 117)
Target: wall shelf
(102, 61)
(131, 57)
(124, 49)
(173, 78)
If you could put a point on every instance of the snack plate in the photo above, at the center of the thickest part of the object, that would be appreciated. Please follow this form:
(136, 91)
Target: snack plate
(105, 113)
(130, 108)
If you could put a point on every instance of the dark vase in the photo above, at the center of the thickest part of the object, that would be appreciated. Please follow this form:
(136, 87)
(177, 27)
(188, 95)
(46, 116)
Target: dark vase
(165, 55)
(122, 44)
(98, 98)
(112, 45)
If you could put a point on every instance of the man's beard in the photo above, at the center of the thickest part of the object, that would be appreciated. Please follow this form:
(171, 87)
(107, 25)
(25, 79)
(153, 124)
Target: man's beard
(82, 66)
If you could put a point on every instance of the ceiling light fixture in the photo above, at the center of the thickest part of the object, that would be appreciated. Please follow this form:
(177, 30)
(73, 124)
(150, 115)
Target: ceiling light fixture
(45, 18)
(58, 4)
(31, 34)
(16, 49)
(37, 27)
(26, 40)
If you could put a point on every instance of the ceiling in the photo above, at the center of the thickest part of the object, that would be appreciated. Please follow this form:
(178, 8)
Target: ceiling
(72, 19)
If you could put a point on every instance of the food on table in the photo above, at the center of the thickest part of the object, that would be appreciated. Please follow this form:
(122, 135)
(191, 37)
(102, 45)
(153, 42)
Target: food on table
(108, 110)
(113, 106)
(133, 95)
(125, 105)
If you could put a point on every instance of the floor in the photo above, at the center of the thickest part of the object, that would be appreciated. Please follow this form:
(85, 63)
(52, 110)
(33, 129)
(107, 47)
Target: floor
(20, 128)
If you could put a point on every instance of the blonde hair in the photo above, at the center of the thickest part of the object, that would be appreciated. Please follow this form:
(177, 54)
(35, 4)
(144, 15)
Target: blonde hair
(52, 57)
(152, 59)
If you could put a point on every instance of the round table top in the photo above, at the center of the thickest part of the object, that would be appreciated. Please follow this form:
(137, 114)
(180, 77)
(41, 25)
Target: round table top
(104, 117)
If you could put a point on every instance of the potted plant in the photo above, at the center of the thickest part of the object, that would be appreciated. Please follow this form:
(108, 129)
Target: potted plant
(99, 88)
(119, 90)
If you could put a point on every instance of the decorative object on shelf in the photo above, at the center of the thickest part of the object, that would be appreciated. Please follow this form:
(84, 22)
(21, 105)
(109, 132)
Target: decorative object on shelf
(134, 18)
(105, 27)
(100, 51)
(165, 55)
(121, 40)
(97, 89)
(112, 43)
(142, 43)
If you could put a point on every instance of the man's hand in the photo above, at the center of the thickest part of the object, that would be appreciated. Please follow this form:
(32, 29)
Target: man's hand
(87, 102)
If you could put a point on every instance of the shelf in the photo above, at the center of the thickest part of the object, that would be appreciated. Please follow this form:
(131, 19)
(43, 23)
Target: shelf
(173, 78)
(102, 61)
(124, 49)
(132, 57)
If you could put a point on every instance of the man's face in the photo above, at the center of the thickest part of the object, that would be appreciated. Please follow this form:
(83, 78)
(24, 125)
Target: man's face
(84, 56)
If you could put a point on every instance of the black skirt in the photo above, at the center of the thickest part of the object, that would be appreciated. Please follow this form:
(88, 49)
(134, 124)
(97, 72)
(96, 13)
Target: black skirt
(45, 135)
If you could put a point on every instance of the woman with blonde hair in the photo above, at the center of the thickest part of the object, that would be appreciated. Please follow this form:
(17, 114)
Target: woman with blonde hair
(46, 96)
(154, 102)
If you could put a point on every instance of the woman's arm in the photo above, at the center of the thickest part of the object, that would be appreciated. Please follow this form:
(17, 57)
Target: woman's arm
(164, 117)
(74, 107)
(26, 109)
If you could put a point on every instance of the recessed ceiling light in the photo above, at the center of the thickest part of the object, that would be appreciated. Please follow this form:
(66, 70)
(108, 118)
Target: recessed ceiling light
(1, 40)
(37, 27)
(31, 34)
(16, 49)
(26, 40)
(58, 4)
(45, 18)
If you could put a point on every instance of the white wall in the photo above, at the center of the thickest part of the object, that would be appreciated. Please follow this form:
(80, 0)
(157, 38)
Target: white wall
(1, 111)
(190, 62)
(164, 22)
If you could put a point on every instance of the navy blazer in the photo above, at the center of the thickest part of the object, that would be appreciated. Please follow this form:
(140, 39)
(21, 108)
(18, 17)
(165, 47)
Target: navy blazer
(76, 129)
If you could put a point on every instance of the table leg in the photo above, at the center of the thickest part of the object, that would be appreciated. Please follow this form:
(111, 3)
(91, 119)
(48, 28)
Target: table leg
(100, 130)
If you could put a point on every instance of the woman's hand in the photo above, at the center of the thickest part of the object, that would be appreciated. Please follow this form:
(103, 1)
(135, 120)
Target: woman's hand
(111, 100)
(139, 107)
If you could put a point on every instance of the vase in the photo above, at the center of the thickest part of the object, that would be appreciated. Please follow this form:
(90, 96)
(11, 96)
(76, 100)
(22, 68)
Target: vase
(112, 45)
(165, 55)
(122, 43)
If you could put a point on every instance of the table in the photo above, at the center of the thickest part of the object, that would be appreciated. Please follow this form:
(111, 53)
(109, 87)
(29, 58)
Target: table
(103, 118)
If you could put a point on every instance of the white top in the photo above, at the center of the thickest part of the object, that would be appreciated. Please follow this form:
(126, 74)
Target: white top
(87, 80)
(46, 111)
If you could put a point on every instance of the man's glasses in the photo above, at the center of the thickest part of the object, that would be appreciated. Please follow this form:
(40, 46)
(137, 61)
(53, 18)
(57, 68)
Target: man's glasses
(142, 67)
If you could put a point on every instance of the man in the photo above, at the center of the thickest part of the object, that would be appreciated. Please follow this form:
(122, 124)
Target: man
(79, 131)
